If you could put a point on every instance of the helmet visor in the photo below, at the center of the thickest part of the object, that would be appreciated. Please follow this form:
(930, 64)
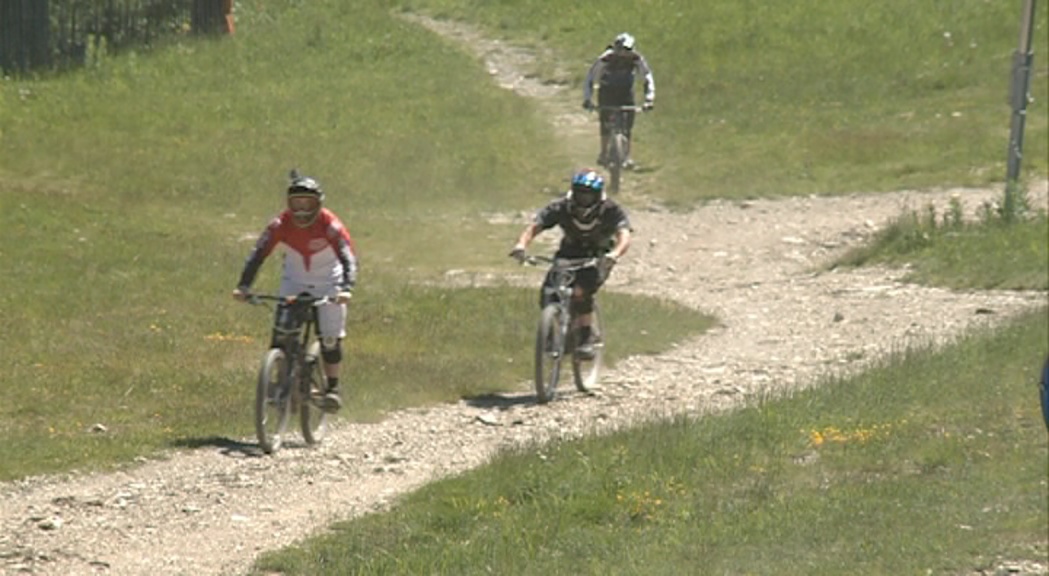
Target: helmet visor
(303, 206)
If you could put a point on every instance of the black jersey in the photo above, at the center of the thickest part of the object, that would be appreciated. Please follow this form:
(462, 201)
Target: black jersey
(583, 239)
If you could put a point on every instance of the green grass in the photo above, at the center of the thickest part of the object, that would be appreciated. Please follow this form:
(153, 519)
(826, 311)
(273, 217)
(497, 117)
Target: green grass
(942, 249)
(932, 461)
(810, 97)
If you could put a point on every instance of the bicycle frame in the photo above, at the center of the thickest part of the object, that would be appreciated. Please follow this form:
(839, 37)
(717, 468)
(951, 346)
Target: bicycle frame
(294, 333)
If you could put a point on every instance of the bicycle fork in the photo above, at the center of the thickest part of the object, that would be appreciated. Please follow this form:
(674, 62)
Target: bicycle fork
(564, 328)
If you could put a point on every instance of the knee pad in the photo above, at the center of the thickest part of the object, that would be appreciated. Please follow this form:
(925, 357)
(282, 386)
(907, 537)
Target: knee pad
(331, 350)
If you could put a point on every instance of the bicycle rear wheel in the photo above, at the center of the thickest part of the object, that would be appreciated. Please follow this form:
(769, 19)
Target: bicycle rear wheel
(272, 401)
(548, 353)
(617, 148)
(587, 370)
(313, 419)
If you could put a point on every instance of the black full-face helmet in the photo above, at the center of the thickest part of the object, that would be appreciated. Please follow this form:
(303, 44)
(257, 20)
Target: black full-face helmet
(304, 187)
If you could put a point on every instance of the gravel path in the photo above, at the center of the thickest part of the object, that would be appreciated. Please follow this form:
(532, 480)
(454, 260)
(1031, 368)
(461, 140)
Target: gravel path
(213, 510)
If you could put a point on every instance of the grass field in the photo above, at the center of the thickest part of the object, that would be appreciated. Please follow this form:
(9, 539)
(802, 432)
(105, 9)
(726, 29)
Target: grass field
(130, 190)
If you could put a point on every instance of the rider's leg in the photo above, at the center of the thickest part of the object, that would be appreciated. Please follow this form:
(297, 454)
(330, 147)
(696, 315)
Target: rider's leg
(582, 307)
(628, 161)
(583, 310)
(606, 136)
(331, 352)
(331, 327)
(583, 313)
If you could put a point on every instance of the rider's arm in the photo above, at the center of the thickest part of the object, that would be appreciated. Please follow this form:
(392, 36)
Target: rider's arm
(342, 244)
(545, 218)
(263, 246)
(649, 81)
(527, 235)
(622, 243)
(591, 76)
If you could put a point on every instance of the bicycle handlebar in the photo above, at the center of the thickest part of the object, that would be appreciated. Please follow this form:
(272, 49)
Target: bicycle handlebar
(307, 299)
(622, 108)
(562, 263)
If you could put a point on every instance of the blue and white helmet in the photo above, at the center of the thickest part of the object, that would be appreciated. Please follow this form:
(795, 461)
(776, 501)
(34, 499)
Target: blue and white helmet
(586, 195)
(624, 41)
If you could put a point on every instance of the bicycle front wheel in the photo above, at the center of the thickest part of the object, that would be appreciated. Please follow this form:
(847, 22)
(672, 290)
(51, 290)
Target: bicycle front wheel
(272, 401)
(314, 420)
(587, 369)
(549, 350)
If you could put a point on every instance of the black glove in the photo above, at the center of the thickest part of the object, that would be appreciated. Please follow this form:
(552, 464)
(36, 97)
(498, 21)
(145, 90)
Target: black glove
(518, 253)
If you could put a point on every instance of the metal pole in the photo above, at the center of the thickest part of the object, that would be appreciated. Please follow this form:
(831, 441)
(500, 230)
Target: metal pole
(1019, 95)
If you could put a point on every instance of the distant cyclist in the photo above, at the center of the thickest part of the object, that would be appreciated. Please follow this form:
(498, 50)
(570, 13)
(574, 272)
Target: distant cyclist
(615, 71)
(319, 259)
(593, 226)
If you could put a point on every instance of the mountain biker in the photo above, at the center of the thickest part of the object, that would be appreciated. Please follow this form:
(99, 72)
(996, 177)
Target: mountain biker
(593, 226)
(319, 259)
(614, 71)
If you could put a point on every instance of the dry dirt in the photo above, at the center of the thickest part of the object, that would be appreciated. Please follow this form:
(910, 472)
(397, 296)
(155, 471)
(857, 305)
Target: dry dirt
(752, 264)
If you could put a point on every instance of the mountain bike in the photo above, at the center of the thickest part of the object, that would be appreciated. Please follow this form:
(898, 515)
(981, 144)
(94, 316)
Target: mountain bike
(291, 377)
(556, 336)
(618, 143)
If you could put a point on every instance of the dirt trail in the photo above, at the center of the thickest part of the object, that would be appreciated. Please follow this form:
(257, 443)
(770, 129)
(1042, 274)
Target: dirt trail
(213, 510)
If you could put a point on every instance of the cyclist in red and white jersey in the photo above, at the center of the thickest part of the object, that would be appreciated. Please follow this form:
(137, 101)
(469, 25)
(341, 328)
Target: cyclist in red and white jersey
(319, 259)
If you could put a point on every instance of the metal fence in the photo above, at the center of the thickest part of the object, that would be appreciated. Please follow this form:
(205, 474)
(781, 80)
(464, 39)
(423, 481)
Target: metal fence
(47, 34)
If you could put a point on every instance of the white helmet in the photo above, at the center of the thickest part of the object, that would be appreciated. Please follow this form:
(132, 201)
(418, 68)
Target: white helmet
(624, 41)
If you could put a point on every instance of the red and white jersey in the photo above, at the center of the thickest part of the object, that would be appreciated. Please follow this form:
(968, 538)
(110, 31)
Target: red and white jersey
(321, 254)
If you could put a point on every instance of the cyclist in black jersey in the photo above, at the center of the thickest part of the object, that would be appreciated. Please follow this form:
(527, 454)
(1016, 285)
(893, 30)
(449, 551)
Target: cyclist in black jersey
(593, 226)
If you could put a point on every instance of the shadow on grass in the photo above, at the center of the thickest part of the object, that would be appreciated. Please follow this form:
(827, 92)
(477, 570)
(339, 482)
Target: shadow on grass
(226, 446)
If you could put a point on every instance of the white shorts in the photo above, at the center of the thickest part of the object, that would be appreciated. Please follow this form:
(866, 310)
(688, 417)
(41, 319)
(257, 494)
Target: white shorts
(331, 317)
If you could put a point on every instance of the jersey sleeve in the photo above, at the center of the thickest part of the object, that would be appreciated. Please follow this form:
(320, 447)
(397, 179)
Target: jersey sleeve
(263, 247)
(648, 80)
(618, 219)
(550, 215)
(591, 76)
(345, 251)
